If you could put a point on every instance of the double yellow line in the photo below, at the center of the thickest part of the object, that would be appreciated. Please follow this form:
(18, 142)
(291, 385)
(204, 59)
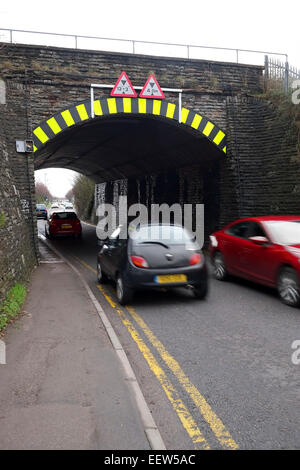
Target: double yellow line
(188, 422)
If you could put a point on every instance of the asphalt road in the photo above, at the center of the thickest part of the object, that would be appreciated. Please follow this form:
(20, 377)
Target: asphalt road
(217, 373)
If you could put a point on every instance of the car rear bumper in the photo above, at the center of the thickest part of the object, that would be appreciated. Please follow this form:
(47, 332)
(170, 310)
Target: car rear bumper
(64, 233)
(138, 278)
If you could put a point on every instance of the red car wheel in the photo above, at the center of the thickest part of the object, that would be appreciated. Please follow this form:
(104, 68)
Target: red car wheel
(220, 271)
(288, 287)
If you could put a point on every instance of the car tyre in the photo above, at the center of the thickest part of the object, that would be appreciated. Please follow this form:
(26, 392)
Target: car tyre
(101, 277)
(288, 287)
(124, 293)
(201, 290)
(220, 271)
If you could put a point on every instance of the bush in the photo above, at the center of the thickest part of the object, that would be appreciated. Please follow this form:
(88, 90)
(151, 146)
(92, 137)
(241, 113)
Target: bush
(83, 192)
(287, 111)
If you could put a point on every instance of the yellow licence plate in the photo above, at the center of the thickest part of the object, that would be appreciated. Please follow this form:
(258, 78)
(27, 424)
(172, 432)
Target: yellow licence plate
(171, 278)
(65, 226)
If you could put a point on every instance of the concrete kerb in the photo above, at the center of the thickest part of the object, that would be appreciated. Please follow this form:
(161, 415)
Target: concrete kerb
(151, 430)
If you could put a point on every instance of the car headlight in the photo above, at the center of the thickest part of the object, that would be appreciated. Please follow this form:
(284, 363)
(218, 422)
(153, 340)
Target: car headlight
(213, 241)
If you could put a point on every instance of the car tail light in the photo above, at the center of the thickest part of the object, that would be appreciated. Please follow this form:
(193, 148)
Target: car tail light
(196, 258)
(139, 261)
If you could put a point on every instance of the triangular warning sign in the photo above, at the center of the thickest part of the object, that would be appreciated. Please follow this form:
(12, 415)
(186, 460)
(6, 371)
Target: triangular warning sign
(123, 87)
(152, 89)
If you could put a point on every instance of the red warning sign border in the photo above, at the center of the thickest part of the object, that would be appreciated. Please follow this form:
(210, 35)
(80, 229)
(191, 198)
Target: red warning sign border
(119, 95)
(162, 97)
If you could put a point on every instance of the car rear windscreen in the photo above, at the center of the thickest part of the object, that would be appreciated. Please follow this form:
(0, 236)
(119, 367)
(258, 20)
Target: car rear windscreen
(64, 215)
(167, 234)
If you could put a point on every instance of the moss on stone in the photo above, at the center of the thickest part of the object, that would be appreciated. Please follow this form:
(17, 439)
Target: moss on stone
(2, 219)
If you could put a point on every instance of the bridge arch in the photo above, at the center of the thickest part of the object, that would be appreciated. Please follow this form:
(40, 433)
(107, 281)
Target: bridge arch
(81, 113)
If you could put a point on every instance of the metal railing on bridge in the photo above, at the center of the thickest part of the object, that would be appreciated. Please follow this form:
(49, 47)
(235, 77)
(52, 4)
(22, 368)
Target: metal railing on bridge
(133, 46)
(281, 73)
(273, 68)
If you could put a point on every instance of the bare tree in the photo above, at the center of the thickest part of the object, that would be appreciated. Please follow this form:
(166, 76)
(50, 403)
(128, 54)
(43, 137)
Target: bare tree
(42, 193)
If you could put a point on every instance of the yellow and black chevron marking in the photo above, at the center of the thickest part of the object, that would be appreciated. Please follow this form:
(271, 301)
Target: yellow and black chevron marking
(80, 112)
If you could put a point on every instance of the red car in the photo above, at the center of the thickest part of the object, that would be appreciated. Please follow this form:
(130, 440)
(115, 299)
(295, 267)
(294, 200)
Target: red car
(261, 249)
(63, 223)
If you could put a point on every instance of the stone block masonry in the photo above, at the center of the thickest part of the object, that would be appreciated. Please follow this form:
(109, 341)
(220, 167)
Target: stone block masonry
(17, 234)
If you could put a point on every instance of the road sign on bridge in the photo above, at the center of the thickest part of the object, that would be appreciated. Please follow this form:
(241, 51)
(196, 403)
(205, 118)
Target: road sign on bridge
(152, 89)
(123, 87)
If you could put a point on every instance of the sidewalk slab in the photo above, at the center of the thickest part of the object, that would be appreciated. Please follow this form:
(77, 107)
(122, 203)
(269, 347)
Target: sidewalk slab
(63, 386)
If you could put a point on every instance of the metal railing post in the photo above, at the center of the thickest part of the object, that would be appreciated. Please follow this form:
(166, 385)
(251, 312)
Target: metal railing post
(179, 106)
(286, 78)
(266, 66)
(266, 77)
(92, 103)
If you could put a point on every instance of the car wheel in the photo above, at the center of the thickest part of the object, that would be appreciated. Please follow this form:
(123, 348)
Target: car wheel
(46, 233)
(288, 287)
(124, 294)
(201, 290)
(101, 277)
(220, 271)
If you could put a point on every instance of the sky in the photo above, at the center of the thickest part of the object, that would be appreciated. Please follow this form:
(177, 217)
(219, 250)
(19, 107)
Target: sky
(59, 181)
(271, 26)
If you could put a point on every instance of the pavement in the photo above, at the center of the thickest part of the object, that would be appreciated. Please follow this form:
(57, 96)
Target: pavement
(64, 385)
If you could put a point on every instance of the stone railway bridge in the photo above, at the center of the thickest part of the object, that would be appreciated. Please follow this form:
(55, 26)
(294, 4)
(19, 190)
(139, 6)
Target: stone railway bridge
(231, 151)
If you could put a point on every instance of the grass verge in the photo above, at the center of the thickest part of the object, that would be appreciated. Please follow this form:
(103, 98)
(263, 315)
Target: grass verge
(12, 305)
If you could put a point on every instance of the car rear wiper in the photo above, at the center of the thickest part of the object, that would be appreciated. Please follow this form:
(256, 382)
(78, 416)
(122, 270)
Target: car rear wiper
(155, 243)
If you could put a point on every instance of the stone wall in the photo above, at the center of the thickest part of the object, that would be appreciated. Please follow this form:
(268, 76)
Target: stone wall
(58, 77)
(17, 243)
(265, 156)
